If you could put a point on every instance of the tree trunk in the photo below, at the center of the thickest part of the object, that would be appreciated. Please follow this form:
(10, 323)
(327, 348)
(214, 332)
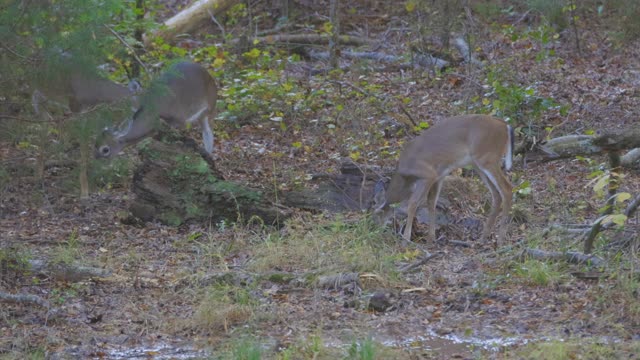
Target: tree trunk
(84, 168)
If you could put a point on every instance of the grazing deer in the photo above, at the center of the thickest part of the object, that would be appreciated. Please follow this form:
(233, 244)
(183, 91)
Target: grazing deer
(78, 90)
(481, 141)
(186, 93)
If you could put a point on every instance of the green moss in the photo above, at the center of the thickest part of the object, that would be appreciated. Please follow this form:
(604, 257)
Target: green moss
(171, 218)
(237, 191)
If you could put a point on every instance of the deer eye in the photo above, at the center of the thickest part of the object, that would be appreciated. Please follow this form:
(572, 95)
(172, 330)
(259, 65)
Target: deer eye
(105, 151)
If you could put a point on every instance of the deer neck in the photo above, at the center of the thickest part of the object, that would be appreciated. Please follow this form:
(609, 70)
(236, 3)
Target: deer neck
(137, 129)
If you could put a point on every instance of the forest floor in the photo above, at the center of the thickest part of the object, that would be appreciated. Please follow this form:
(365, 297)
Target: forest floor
(234, 290)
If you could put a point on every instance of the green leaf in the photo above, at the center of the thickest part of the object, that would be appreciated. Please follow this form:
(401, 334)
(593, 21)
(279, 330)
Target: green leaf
(622, 197)
(618, 219)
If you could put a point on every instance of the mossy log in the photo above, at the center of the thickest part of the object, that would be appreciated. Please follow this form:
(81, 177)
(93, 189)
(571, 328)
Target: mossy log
(178, 182)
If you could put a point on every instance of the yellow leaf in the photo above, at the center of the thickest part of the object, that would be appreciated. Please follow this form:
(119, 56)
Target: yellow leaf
(600, 184)
(297, 144)
(618, 219)
(218, 62)
(623, 196)
(410, 6)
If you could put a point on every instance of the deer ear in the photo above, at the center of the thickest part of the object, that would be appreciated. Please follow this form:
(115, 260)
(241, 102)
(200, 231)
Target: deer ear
(134, 86)
(379, 195)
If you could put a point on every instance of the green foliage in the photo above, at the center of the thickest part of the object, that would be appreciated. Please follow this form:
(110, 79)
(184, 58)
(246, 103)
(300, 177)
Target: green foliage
(538, 273)
(69, 251)
(552, 10)
(222, 306)
(325, 244)
(625, 18)
(254, 91)
(364, 350)
(14, 259)
(247, 350)
(111, 174)
(516, 103)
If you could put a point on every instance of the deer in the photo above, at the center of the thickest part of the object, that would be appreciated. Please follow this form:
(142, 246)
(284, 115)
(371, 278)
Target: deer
(78, 91)
(183, 95)
(480, 141)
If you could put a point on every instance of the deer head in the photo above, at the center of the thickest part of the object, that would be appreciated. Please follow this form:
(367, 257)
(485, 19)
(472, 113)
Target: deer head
(183, 95)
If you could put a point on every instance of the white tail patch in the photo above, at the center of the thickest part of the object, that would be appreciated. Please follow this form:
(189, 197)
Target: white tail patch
(508, 158)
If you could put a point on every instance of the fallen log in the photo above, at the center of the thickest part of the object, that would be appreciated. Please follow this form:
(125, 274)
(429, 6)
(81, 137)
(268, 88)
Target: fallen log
(587, 145)
(308, 39)
(192, 18)
(424, 61)
(177, 182)
(568, 256)
(24, 299)
(67, 272)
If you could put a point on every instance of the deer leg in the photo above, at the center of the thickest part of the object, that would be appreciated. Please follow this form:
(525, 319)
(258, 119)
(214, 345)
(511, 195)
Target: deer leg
(496, 202)
(420, 187)
(207, 134)
(432, 203)
(506, 191)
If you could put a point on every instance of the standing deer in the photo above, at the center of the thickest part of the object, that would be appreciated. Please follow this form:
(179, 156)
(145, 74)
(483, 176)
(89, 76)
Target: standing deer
(481, 141)
(186, 93)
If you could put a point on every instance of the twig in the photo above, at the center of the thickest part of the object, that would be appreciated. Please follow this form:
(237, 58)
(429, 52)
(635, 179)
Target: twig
(213, 18)
(15, 53)
(128, 47)
(416, 264)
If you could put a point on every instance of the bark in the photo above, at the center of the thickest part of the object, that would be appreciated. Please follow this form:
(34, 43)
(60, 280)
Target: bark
(67, 272)
(465, 51)
(176, 184)
(24, 299)
(631, 158)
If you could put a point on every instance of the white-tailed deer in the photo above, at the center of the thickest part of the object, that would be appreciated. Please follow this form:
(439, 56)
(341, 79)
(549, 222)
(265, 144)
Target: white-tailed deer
(481, 141)
(80, 92)
(184, 94)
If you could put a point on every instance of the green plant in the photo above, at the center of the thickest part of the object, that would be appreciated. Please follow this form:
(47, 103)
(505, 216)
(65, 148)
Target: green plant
(253, 92)
(538, 273)
(325, 244)
(247, 350)
(69, 251)
(223, 306)
(365, 350)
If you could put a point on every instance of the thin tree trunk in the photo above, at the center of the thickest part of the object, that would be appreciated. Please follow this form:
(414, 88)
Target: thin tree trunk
(614, 183)
(335, 33)
(84, 168)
